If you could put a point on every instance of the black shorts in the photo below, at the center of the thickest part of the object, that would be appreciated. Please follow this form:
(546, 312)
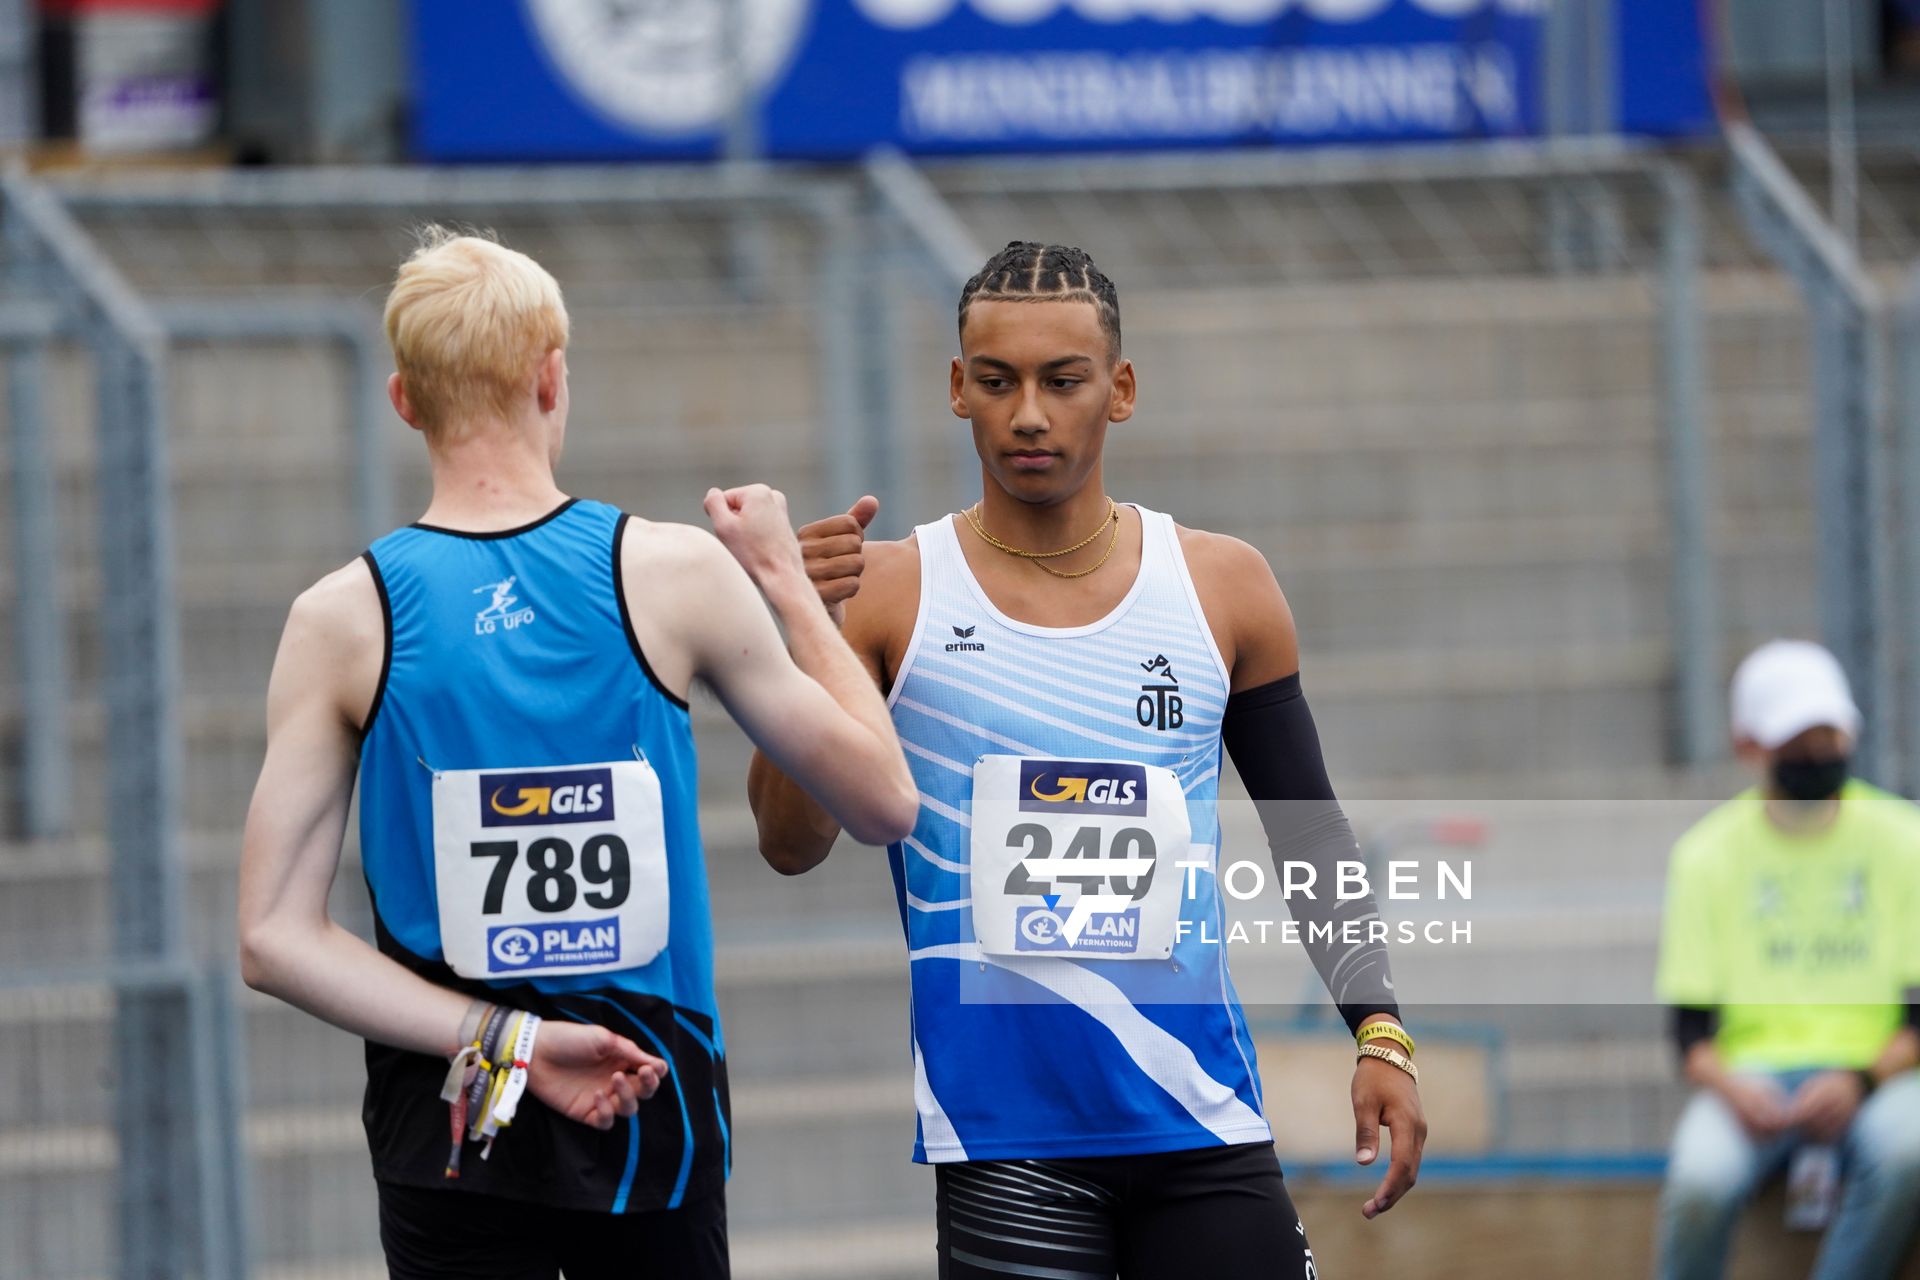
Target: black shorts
(449, 1234)
(1218, 1213)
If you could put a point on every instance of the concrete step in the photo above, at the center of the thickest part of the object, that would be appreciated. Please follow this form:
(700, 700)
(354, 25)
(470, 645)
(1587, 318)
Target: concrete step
(1512, 704)
(313, 1199)
(231, 613)
(1592, 705)
(1356, 587)
(1414, 465)
(806, 1153)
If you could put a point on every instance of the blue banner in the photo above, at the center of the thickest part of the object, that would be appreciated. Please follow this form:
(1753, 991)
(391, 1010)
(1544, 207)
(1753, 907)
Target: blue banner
(610, 79)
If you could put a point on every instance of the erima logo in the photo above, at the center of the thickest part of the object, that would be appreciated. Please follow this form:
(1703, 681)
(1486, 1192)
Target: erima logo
(519, 947)
(964, 642)
(1065, 786)
(531, 799)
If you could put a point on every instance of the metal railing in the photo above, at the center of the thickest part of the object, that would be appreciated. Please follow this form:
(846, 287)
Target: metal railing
(1846, 314)
(161, 1185)
(1906, 469)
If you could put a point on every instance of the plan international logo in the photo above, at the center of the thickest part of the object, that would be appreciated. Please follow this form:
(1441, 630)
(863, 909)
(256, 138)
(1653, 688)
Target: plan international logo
(523, 948)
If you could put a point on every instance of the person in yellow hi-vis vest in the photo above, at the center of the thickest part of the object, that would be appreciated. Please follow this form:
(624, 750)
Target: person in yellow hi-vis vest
(1790, 956)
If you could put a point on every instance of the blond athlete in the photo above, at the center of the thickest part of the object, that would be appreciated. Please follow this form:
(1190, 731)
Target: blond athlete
(506, 682)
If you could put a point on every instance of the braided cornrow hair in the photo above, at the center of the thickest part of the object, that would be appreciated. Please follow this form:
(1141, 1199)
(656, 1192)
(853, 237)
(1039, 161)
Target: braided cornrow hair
(1027, 271)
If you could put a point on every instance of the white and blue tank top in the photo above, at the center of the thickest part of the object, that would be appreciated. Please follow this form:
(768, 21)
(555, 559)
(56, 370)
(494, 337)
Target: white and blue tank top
(1054, 742)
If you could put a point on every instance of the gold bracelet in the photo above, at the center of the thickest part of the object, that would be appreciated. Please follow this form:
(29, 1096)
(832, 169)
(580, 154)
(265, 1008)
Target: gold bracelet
(1386, 1031)
(1388, 1055)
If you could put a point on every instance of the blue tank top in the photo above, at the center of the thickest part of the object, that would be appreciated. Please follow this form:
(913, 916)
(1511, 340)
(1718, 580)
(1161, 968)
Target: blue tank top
(511, 663)
(1019, 1054)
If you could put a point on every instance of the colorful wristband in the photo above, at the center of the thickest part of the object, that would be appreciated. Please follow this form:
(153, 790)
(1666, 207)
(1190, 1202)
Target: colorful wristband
(1385, 1031)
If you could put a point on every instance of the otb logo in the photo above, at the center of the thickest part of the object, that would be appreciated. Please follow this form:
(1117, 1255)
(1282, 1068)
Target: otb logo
(964, 642)
(1088, 786)
(1160, 705)
(565, 944)
(535, 799)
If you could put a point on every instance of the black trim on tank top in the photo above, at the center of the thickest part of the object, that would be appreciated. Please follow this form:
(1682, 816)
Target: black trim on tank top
(626, 618)
(492, 535)
(386, 656)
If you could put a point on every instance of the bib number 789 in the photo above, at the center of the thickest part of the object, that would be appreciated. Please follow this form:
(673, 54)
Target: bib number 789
(554, 883)
(1129, 843)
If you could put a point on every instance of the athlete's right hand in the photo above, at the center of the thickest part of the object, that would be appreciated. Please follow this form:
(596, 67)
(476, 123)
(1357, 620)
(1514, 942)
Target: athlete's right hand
(589, 1074)
(832, 551)
(751, 521)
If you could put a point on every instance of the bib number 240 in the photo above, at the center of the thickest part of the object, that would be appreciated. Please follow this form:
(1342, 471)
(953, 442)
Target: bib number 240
(1128, 843)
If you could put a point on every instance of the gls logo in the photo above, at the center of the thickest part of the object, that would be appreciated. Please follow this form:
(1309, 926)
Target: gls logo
(537, 799)
(1076, 786)
(909, 14)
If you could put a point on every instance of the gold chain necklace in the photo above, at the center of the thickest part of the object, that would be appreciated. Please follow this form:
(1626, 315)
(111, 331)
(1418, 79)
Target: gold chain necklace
(1040, 558)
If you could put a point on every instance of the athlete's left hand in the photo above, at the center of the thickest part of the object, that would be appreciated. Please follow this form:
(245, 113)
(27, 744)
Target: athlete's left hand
(1384, 1096)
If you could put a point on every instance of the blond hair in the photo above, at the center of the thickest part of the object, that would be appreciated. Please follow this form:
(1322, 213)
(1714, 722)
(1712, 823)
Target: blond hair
(468, 320)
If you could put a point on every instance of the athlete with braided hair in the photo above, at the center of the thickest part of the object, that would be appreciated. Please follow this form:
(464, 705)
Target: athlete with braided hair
(1064, 671)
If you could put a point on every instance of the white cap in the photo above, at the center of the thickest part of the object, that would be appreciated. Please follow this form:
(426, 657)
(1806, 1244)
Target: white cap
(1786, 687)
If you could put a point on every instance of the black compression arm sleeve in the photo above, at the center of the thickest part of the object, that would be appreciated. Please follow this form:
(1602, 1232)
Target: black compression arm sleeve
(1691, 1025)
(1269, 733)
(1913, 1007)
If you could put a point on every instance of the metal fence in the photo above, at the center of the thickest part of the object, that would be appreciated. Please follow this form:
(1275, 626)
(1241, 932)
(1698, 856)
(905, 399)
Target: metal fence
(1863, 327)
(1464, 400)
(1906, 516)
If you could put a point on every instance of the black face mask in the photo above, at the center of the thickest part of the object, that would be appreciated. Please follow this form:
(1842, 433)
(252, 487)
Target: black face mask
(1810, 779)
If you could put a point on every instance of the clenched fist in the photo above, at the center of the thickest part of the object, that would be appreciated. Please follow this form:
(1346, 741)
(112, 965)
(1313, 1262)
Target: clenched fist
(751, 521)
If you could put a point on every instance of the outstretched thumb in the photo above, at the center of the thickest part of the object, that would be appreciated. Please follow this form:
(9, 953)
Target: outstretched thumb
(865, 510)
